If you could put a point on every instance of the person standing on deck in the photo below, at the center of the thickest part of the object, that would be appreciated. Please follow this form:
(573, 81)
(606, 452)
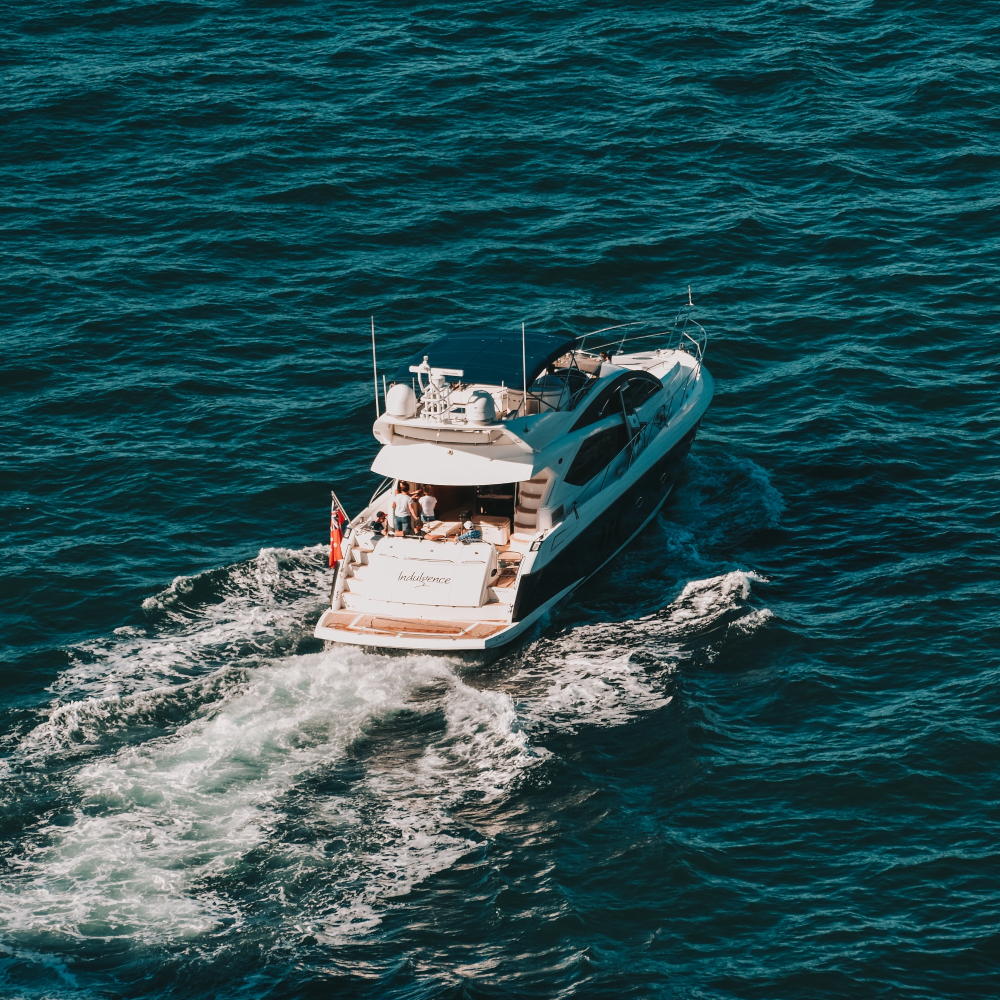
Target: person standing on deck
(401, 509)
(415, 511)
(428, 504)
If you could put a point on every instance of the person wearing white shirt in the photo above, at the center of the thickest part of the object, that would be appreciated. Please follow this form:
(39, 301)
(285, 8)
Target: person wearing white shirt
(401, 520)
(428, 504)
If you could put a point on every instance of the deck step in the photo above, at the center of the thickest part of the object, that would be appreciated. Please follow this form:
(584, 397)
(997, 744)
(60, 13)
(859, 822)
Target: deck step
(503, 595)
(493, 610)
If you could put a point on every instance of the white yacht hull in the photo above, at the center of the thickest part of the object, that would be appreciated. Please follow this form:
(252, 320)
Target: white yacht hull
(395, 629)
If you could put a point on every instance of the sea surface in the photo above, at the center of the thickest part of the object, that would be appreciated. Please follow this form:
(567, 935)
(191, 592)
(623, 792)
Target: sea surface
(759, 758)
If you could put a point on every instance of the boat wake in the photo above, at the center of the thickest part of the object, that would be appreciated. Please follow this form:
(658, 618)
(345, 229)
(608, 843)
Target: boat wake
(203, 769)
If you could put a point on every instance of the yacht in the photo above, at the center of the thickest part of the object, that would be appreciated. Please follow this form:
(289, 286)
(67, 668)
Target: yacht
(545, 456)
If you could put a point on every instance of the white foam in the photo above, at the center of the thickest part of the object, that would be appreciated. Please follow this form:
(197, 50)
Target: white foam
(572, 687)
(74, 727)
(585, 678)
(702, 602)
(753, 621)
(256, 607)
(152, 822)
(145, 830)
(410, 843)
(484, 745)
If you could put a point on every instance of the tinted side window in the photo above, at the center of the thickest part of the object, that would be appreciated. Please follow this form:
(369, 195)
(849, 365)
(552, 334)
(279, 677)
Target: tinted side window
(639, 387)
(607, 402)
(595, 453)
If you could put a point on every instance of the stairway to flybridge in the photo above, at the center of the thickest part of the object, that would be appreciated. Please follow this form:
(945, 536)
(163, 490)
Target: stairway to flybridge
(529, 499)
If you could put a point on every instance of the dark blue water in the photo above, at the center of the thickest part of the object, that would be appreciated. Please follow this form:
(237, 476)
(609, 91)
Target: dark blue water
(757, 760)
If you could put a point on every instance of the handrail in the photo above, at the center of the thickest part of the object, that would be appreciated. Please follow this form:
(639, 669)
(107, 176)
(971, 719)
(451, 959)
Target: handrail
(629, 340)
(379, 490)
(678, 330)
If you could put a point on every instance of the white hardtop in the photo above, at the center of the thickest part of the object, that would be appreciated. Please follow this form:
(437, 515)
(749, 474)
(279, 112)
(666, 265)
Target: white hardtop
(474, 434)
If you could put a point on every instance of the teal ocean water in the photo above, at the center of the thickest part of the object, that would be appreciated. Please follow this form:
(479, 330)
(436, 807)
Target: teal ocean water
(759, 759)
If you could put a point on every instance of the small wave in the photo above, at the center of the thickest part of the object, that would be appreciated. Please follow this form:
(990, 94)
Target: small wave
(724, 500)
(719, 501)
(406, 827)
(703, 603)
(81, 726)
(203, 623)
(51, 976)
(484, 745)
(274, 575)
(582, 677)
(575, 682)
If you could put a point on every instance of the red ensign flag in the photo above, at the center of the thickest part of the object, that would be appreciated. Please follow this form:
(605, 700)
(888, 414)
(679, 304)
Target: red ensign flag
(337, 519)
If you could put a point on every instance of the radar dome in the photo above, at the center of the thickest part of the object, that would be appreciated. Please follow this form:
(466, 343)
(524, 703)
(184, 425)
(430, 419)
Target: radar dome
(480, 409)
(401, 401)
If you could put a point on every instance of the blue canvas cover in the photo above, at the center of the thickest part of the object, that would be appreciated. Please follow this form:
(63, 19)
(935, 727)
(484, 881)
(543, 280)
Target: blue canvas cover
(491, 358)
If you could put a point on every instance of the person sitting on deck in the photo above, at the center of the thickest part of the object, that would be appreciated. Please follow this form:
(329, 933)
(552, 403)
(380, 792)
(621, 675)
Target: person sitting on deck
(472, 534)
(378, 527)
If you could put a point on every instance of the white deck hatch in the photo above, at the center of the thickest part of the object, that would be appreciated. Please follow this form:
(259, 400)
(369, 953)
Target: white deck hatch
(411, 571)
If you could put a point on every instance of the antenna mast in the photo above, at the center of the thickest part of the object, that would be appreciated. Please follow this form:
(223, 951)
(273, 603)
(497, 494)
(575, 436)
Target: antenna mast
(524, 371)
(375, 370)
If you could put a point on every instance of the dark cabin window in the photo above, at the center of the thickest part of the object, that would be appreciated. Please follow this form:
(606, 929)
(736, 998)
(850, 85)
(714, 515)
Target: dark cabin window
(636, 387)
(639, 386)
(595, 453)
(605, 405)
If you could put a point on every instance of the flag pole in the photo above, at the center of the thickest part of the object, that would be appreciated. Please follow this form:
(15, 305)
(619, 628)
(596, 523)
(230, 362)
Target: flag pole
(338, 518)
(334, 564)
(375, 370)
(524, 373)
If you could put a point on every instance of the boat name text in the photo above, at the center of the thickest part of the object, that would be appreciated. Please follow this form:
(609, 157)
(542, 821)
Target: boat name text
(422, 579)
